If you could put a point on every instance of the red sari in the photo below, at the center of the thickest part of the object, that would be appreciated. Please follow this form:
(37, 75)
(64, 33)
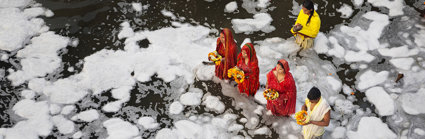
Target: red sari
(251, 71)
(228, 52)
(286, 89)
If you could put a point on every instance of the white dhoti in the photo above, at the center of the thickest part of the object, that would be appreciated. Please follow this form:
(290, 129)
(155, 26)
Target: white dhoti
(317, 114)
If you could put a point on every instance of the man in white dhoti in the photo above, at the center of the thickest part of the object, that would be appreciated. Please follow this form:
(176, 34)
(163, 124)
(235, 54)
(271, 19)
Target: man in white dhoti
(319, 111)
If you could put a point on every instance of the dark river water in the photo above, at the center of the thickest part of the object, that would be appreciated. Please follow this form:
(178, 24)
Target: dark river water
(96, 23)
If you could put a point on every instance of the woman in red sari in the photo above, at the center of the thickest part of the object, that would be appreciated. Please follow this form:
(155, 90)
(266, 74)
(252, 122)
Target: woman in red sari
(247, 61)
(226, 47)
(281, 80)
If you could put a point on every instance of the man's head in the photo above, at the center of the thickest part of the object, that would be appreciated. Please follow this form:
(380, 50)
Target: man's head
(314, 95)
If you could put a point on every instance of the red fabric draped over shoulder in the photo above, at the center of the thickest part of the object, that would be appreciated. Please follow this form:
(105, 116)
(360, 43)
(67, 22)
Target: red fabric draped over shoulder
(228, 51)
(251, 70)
(287, 91)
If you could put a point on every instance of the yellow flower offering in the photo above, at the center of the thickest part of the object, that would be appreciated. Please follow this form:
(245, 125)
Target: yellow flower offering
(237, 74)
(215, 57)
(302, 117)
(270, 94)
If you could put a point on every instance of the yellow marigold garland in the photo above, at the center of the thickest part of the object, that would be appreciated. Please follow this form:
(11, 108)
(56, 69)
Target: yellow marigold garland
(237, 74)
(270, 94)
(302, 117)
(215, 57)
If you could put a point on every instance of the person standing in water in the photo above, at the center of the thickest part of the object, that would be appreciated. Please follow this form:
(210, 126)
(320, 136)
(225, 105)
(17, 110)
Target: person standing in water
(281, 80)
(307, 25)
(226, 47)
(320, 113)
(247, 61)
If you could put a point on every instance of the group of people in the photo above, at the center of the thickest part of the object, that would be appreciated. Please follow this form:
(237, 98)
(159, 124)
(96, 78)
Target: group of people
(279, 78)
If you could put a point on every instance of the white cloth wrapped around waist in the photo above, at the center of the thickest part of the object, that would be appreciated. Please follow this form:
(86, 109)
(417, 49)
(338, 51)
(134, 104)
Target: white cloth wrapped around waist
(318, 113)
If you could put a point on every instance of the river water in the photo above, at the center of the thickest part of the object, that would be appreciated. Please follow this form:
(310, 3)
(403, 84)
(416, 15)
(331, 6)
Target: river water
(96, 23)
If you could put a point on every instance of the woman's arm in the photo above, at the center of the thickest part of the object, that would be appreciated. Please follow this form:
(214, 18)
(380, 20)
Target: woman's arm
(267, 84)
(324, 122)
(296, 22)
(312, 29)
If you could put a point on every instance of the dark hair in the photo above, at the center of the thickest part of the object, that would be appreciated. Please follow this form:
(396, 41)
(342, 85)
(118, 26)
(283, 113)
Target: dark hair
(310, 6)
(314, 93)
(280, 63)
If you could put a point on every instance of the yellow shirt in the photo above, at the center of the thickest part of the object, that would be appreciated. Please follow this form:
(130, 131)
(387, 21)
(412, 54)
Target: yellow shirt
(313, 26)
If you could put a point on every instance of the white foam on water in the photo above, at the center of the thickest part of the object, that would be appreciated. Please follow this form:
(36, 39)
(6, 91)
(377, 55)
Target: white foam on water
(204, 72)
(216, 128)
(382, 101)
(419, 131)
(37, 121)
(361, 56)
(335, 83)
(396, 52)
(67, 109)
(337, 50)
(365, 39)
(370, 78)
(191, 98)
(55, 109)
(345, 10)
(338, 133)
(165, 133)
(357, 3)
(176, 107)
(403, 63)
(148, 122)
(19, 26)
(168, 14)
(39, 58)
(259, 97)
(120, 129)
(321, 43)
(344, 107)
(263, 3)
(77, 135)
(395, 7)
(86, 116)
(262, 131)
(14, 3)
(371, 127)
(412, 102)
(214, 103)
(255, 6)
(28, 94)
(260, 22)
(137, 6)
(4, 57)
(231, 7)
(113, 106)
(420, 38)
(64, 125)
(126, 31)
(235, 128)
(64, 91)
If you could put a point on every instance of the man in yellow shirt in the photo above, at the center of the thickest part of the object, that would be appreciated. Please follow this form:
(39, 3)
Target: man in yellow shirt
(307, 25)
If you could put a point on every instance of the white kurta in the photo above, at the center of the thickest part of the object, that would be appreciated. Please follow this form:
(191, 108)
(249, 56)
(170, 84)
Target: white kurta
(317, 114)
